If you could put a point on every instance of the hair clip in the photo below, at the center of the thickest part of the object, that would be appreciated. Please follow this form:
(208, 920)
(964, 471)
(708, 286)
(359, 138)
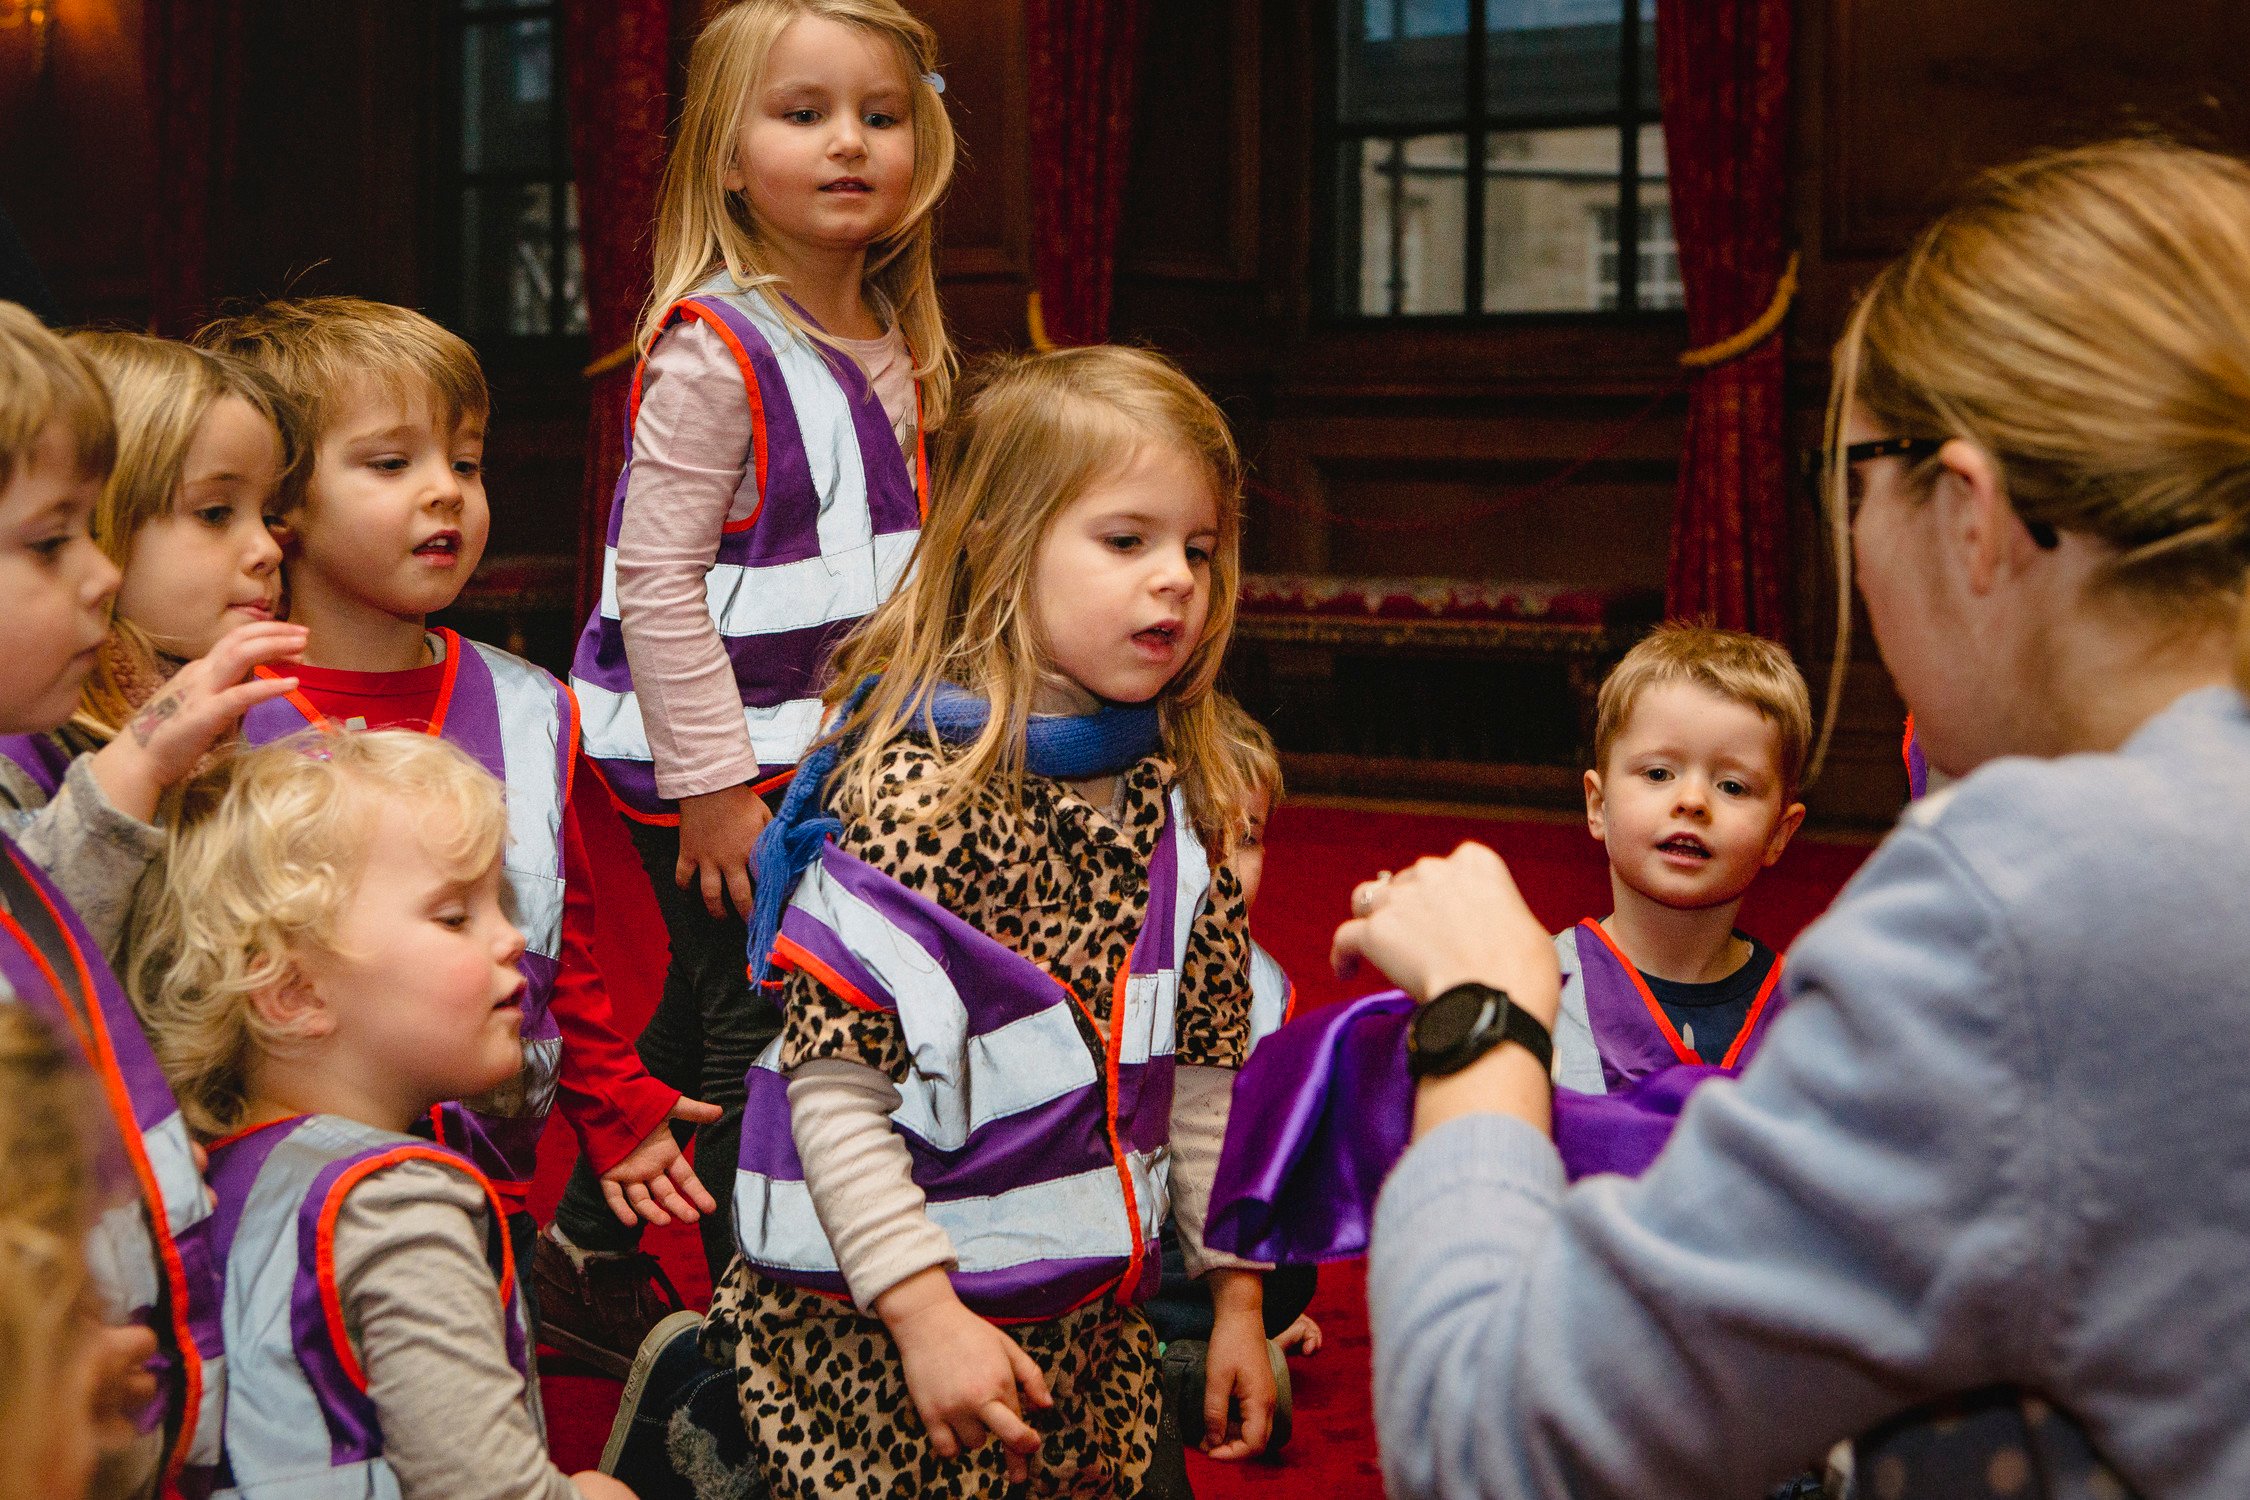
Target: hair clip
(315, 749)
(936, 81)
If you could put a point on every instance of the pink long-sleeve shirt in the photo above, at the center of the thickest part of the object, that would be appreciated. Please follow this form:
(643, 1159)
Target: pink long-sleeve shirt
(691, 446)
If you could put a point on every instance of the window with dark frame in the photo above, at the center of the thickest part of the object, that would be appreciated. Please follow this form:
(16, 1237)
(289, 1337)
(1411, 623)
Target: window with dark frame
(512, 204)
(1568, 210)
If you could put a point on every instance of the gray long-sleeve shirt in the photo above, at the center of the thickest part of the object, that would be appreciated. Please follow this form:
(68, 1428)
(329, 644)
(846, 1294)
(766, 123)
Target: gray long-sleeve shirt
(2002, 1134)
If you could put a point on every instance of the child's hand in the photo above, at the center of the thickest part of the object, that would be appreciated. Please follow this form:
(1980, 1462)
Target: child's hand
(1300, 1337)
(1239, 1374)
(120, 1386)
(593, 1484)
(717, 832)
(962, 1373)
(204, 700)
(649, 1183)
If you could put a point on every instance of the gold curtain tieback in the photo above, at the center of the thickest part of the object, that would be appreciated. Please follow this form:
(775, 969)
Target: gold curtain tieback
(1735, 345)
(617, 358)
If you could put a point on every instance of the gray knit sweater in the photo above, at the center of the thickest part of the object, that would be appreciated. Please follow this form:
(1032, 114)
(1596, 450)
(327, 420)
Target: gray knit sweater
(2002, 1134)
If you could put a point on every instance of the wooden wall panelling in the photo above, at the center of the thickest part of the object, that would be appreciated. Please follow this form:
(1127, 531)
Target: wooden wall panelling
(1922, 93)
(985, 226)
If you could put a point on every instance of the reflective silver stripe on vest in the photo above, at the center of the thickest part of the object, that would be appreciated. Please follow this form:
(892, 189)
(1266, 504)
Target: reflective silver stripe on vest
(956, 1085)
(277, 1441)
(747, 601)
(532, 728)
(1269, 994)
(613, 730)
(1578, 1061)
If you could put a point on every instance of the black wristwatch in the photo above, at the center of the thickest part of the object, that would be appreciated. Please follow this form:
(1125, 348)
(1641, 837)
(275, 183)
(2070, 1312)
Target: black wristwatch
(1465, 1023)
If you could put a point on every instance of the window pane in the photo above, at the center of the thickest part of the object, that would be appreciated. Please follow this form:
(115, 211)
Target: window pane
(1554, 57)
(1413, 198)
(508, 249)
(574, 266)
(507, 97)
(1402, 62)
(1550, 220)
(1660, 256)
(1649, 103)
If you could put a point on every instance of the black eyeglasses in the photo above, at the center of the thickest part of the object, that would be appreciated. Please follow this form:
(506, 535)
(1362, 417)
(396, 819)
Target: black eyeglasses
(1914, 451)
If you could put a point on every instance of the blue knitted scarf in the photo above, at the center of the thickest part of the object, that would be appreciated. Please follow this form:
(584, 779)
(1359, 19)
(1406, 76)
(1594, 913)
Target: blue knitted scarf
(1066, 747)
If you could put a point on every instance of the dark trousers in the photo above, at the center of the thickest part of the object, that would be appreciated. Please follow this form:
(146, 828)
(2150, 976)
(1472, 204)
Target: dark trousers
(707, 1028)
(1181, 1308)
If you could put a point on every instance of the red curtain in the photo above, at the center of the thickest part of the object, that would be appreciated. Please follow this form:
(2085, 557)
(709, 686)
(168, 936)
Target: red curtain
(617, 55)
(193, 52)
(1084, 64)
(1723, 68)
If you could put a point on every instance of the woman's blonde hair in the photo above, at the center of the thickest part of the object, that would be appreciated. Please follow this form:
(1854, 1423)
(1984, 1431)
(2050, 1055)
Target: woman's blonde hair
(161, 391)
(47, 1205)
(2084, 318)
(267, 851)
(701, 227)
(1032, 433)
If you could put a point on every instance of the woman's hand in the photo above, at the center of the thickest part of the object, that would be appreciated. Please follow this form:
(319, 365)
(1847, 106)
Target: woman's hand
(204, 700)
(657, 1182)
(963, 1374)
(718, 830)
(1238, 1385)
(1443, 922)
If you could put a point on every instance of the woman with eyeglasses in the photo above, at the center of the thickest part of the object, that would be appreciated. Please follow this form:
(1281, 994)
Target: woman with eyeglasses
(2001, 1140)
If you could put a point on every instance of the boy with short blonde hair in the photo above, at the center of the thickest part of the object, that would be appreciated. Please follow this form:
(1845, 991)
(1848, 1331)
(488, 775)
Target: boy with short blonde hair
(1700, 741)
(386, 523)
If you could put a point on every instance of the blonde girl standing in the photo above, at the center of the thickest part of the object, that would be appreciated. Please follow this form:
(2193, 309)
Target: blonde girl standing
(793, 354)
(1016, 979)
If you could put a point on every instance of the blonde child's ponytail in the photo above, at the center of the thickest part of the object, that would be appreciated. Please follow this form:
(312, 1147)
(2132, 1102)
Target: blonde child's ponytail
(2083, 317)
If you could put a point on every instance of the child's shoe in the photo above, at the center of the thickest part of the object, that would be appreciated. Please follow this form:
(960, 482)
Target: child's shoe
(598, 1306)
(678, 1433)
(1180, 1372)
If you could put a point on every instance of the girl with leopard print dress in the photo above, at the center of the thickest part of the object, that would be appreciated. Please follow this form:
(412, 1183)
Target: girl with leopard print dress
(1014, 975)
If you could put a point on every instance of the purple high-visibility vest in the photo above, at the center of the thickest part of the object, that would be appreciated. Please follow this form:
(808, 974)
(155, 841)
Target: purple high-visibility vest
(821, 530)
(1045, 1165)
(299, 1420)
(42, 757)
(152, 1258)
(519, 723)
(1324, 1109)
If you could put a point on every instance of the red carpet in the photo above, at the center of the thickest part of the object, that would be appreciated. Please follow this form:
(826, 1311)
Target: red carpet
(1315, 855)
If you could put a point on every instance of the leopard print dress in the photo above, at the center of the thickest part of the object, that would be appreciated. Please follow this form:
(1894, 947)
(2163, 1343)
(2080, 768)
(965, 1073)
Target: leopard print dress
(1065, 885)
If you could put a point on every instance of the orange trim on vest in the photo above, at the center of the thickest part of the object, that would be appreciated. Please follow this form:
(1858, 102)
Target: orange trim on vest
(1664, 1026)
(324, 1248)
(788, 953)
(921, 454)
(452, 643)
(93, 1032)
(248, 1131)
(688, 307)
(626, 809)
(1757, 1008)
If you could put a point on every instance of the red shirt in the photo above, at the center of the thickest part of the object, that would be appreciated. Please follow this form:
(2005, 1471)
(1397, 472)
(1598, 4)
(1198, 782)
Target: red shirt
(609, 1099)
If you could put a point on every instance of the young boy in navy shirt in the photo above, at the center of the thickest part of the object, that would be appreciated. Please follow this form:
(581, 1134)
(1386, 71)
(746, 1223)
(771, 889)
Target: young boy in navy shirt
(1699, 747)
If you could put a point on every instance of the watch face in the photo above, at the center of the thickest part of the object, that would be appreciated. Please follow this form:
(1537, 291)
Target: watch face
(1448, 1023)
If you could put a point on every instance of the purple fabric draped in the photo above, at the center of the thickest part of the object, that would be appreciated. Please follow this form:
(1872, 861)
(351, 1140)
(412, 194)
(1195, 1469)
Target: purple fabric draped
(1324, 1109)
